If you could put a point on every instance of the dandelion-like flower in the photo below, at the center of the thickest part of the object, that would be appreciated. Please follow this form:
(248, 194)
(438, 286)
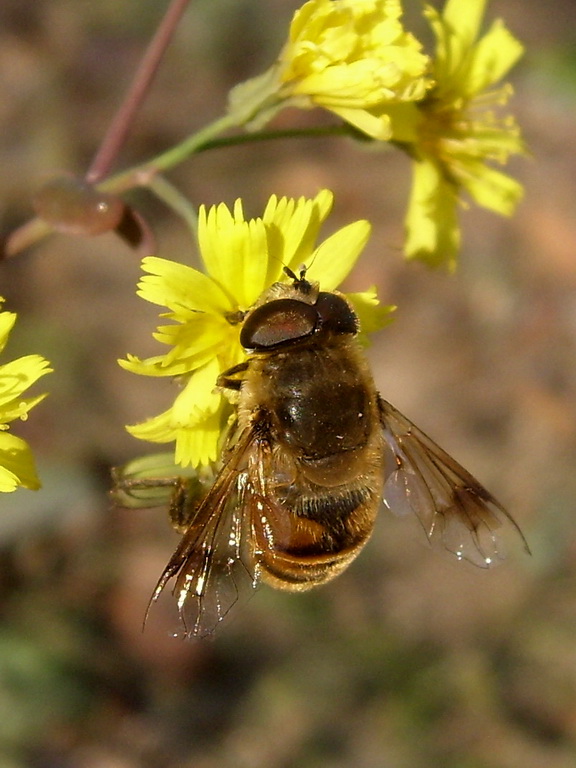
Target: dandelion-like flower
(16, 460)
(242, 258)
(352, 57)
(458, 130)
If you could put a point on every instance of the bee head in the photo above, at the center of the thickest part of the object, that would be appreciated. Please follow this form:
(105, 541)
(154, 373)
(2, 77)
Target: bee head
(281, 322)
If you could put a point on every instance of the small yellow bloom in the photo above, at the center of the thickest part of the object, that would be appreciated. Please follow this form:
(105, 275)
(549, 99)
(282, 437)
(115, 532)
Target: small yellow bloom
(243, 258)
(458, 130)
(352, 57)
(16, 461)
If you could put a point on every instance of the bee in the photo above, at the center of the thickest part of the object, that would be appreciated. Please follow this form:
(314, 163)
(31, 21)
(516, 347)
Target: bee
(312, 455)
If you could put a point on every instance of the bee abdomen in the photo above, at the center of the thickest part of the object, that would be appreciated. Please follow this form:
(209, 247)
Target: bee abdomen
(332, 507)
(296, 573)
(323, 534)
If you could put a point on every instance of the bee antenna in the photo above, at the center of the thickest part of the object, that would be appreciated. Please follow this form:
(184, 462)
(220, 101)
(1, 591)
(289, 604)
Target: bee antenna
(300, 281)
(289, 273)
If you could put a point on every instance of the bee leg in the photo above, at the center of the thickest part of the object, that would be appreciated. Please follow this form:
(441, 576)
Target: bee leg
(230, 378)
(182, 506)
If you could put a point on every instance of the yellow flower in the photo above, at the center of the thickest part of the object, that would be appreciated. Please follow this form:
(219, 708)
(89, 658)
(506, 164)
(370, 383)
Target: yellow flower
(458, 130)
(16, 461)
(242, 259)
(352, 57)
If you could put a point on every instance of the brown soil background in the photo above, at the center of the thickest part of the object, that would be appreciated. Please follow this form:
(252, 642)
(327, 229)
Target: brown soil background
(409, 660)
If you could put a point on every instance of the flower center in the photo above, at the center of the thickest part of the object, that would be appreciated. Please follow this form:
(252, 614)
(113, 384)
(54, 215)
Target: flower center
(468, 128)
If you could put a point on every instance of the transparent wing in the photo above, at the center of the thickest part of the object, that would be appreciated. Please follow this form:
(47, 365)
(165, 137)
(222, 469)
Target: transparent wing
(213, 564)
(453, 508)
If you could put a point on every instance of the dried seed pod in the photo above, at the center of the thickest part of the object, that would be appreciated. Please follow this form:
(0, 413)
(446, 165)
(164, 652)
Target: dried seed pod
(73, 206)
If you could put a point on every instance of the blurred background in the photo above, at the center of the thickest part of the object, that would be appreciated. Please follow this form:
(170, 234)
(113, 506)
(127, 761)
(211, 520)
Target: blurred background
(409, 659)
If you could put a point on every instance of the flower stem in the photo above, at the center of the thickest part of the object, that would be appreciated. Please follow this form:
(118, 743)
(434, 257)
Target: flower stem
(304, 133)
(142, 175)
(175, 200)
(121, 124)
(204, 140)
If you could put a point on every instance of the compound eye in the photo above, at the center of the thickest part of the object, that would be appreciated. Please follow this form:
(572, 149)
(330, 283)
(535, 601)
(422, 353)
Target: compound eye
(278, 322)
(335, 314)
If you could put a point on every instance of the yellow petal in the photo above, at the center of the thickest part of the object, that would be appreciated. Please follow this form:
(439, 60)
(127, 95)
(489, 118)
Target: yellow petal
(492, 189)
(7, 320)
(199, 397)
(372, 315)
(15, 378)
(201, 445)
(377, 126)
(16, 464)
(292, 228)
(464, 19)
(335, 258)
(19, 408)
(195, 341)
(152, 366)
(159, 367)
(432, 233)
(235, 251)
(495, 54)
(158, 429)
(182, 289)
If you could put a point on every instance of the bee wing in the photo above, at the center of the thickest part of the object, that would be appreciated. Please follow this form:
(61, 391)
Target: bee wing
(453, 508)
(213, 565)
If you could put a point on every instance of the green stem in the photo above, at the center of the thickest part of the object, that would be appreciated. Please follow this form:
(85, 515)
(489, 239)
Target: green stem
(138, 176)
(175, 200)
(142, 175)
(304, 133)
(205, 140)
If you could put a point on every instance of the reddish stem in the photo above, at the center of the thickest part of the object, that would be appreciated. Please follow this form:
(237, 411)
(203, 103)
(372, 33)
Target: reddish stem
(122, 122)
